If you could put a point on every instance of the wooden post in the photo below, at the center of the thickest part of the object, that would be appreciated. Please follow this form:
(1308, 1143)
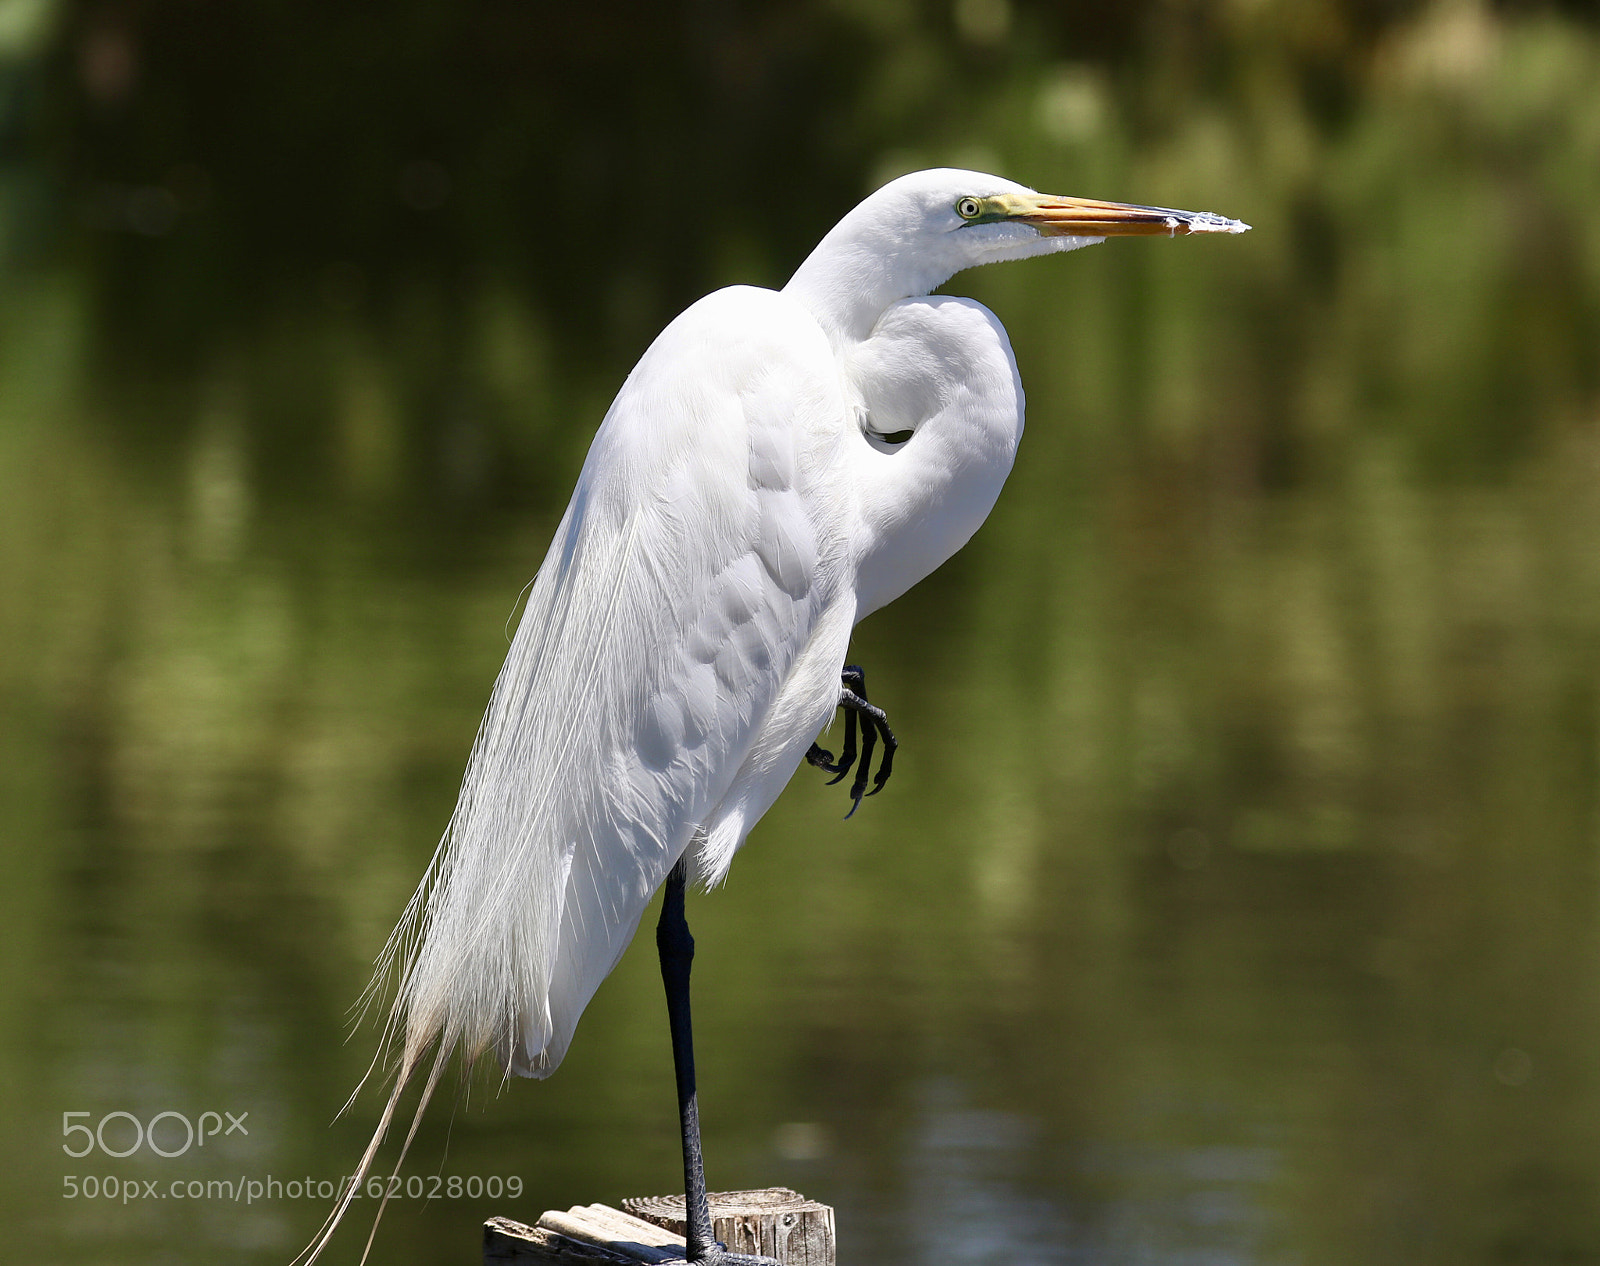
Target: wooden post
(777, 1223)
(585, 1235)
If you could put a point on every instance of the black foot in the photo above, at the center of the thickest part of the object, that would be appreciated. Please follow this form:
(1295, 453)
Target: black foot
(874, 725)
(719, 1256)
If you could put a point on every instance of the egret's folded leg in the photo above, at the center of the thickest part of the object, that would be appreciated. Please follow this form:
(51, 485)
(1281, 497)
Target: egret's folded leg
(874, 726)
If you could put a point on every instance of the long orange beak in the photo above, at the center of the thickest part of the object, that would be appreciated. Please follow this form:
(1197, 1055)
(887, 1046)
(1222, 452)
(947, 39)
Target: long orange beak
(1088, 217)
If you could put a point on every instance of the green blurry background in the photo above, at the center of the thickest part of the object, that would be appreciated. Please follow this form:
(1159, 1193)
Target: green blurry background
(1235, 899)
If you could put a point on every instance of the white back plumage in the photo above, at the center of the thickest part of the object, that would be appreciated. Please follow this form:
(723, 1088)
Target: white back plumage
(690, 572)
(681, 647)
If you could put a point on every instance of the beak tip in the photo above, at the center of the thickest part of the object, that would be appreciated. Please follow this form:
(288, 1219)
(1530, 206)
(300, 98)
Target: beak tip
(1209, 222)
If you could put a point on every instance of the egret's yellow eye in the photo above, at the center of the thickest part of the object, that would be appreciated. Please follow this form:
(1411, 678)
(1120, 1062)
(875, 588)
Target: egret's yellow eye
(969, 208)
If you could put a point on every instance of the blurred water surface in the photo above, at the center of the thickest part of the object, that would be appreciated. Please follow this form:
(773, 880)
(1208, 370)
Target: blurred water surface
(1235, 898)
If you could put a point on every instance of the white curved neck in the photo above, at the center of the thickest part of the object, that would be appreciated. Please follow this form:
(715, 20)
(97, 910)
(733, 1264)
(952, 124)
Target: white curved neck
(878, 255)
(859, 269)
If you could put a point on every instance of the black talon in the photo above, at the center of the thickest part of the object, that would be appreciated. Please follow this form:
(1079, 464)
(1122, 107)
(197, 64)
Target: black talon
(886, 765)
(869, 740)
(874, 726)
(822, 758)
(847, 757)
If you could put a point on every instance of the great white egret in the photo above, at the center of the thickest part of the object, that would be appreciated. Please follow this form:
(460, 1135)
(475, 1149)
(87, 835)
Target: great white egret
(778, 465)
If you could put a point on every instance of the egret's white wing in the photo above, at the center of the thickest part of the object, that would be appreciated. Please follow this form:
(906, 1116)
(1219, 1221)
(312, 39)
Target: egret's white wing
(686, 578)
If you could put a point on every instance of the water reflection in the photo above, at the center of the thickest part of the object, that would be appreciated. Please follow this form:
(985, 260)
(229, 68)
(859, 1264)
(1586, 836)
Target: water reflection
(962, 1171)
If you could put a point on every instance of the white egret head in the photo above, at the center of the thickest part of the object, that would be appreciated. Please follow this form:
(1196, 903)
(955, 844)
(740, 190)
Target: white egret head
(917, 232)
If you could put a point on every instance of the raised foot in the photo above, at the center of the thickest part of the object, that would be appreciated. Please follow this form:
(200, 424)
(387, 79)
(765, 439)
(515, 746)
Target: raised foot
(874, 725)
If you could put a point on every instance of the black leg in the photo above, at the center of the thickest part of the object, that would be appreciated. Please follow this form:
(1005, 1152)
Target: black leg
(874, 726)
(676, 948)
